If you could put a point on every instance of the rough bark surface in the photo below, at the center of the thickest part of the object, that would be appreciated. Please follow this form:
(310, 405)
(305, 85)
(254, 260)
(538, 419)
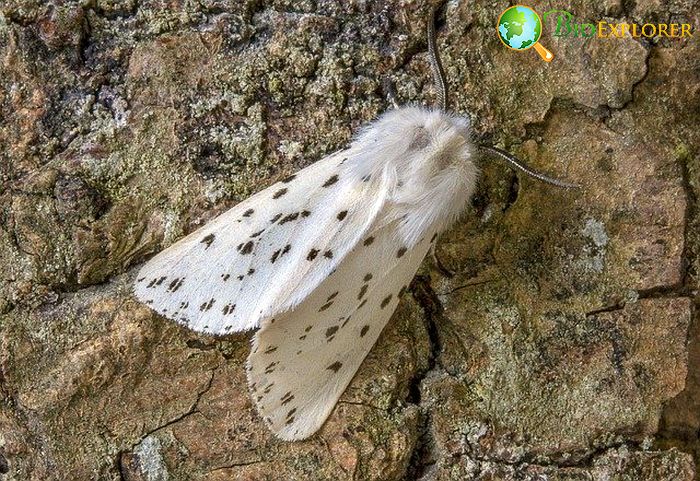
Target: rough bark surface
(565, 347)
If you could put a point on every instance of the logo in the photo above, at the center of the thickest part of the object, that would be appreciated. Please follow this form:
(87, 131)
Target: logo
(567, 26)
(520, 28)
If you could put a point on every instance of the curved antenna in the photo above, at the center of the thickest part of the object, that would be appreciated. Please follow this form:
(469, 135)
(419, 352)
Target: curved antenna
(518, 164)
(436, 64)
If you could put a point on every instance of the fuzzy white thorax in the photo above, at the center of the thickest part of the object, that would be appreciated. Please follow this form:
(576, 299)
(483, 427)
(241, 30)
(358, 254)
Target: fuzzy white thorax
(426, 160)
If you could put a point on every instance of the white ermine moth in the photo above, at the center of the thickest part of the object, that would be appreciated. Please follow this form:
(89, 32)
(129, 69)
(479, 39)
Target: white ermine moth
(319, 261)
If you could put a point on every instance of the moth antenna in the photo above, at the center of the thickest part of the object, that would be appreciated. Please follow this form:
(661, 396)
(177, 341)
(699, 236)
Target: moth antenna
(436, 64)
(519, 165)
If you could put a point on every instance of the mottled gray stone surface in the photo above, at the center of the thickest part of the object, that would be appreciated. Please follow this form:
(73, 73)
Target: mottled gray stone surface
(563, 348)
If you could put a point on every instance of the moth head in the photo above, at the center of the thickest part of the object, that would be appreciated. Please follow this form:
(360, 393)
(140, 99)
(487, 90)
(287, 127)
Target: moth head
(436, 144)
(443, 104)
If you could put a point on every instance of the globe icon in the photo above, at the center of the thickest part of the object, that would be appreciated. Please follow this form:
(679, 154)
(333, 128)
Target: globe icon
(519, 27)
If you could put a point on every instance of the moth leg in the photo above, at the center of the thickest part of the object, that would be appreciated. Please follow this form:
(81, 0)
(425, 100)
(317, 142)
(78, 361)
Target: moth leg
(440, 266)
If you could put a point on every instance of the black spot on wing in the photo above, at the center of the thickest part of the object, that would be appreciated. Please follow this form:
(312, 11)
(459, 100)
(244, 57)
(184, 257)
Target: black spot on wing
(312, 254)
(331, 180)
(368, 241)
(328, 254)
(248, 213)
(364, 330)
(432, 239)
(247, 248)
(325, 306)
(305, 213)
(368, 277)
(276, 218)
(287, 180)
(335, 367)
(208, 239)
(342, 214)
(289, 217)
(207, 305)
(363, 291)
(176, 284)
(385, 301)
(331, 331)
(280, 193)
(401, 252)
(332, 296)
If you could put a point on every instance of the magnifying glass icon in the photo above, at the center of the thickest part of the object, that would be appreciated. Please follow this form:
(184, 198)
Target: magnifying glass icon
(520, 28)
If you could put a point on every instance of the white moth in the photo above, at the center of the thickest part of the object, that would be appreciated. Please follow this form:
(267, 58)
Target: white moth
(319, 261)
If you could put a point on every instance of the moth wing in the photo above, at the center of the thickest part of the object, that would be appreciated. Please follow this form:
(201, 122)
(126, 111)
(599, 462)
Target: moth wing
(264, 255)
(302, 362)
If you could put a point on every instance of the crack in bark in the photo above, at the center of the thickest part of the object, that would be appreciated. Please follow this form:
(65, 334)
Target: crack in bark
(189, 412)
(427, 299)
(429, 302)
(236, 465)
(125, 455)
(686, 440)
(647, 59)
(610, 308)
(692, 220)
(657, 292)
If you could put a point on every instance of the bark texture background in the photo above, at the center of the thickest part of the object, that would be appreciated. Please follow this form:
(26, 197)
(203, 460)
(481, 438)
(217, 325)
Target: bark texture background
(564, 348)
